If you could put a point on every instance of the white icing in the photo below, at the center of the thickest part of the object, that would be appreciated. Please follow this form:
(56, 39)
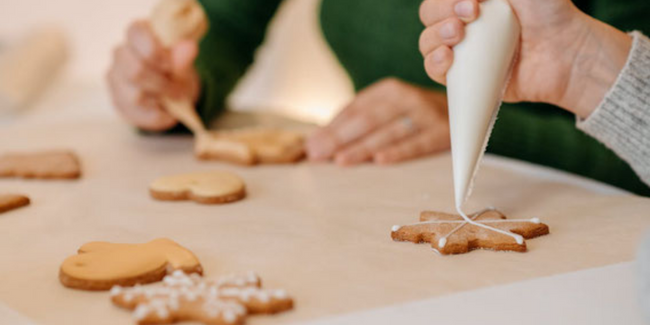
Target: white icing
(395, 228)
(224, 298)
(116, 290)
(128, 297)
(518, 238)
(442, 242)
(280, 294)
(229, 317)
(141, 312)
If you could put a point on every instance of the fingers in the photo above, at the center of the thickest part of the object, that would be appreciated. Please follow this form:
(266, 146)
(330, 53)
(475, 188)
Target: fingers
(325, 142)
(427, 142)
(375, 106)
(445, 21)
(143, 72)
(141, 39)
(130, 68)
(140, 108)
(438, 62)
(364, 149)
(448, 32)
(434, 11)
(183, 55)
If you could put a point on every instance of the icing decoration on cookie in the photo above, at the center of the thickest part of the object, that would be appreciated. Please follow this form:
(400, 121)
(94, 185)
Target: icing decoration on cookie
(207, 187)
(101, 265)
(488, 229)
(42, 165)
(183, 297)
(10, 202)
(251, 146)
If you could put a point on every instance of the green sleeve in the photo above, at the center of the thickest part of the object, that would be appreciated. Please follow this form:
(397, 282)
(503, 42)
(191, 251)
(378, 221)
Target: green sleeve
(626, 15)
(547, 135)
(237, 28)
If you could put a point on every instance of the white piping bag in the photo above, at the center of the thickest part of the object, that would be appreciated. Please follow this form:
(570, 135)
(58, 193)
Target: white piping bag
(475, 87)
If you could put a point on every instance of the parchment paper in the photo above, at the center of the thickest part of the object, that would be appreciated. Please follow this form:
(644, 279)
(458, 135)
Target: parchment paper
(319, 231)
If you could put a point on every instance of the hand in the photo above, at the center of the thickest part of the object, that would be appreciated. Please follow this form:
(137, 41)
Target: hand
(388, 122)
(566, 58)
(143, 72)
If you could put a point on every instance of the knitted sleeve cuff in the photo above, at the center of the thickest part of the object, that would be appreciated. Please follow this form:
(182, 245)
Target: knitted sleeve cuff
(622, 120)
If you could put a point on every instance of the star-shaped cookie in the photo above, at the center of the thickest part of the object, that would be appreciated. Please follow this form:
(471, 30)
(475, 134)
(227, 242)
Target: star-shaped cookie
(451, 234)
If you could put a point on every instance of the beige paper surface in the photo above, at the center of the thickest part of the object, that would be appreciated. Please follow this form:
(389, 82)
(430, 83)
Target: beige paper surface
(319, 231)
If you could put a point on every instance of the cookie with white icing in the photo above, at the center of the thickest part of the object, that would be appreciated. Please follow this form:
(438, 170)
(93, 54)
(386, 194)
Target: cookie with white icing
(10, 202)
(489, 229)
(215, 187)
(102, 265)
(183, 297)
(251, 146)
(41, 165)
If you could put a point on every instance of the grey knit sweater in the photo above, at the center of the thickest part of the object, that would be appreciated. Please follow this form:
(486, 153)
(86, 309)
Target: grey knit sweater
(622, 120)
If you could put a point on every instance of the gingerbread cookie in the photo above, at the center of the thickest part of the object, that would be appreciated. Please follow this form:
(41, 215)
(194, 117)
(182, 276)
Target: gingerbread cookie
(489, 229)
(44, 165)
(10, 202)
(101, 265)
(184, 297)
(251, 146)
(207, 187)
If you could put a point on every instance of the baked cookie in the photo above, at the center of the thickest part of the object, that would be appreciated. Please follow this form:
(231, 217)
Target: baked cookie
(184, 297)
(102, 265)
(251, 146)
(214, 187)
(10, 202)
(451, 234)
(43, 165)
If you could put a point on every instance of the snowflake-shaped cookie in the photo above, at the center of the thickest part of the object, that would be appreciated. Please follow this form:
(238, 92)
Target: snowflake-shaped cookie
(488, 229)
(184, 297)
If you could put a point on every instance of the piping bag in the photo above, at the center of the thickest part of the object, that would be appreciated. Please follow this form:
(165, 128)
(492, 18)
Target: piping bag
(476, 83)
(173, 21)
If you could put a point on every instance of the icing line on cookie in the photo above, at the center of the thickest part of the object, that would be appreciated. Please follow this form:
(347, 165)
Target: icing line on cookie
(441, 243)
(531, 220)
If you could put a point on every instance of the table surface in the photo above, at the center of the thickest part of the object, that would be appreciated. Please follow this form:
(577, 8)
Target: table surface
(111, 203)
(312, 229)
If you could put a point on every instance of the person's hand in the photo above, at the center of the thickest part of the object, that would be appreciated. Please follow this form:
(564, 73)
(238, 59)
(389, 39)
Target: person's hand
(388, 122)
(143, 72)
(566, 58)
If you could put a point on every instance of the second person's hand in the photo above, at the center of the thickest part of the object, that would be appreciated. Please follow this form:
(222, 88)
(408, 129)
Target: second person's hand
(143, 72)
(388, 122)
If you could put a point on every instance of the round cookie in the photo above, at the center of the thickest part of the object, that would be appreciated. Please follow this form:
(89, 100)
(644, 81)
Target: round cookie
(214, 187)
(101, 265)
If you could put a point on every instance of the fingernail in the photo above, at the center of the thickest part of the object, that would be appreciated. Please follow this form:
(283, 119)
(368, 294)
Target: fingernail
(448, 30)
(464, 9)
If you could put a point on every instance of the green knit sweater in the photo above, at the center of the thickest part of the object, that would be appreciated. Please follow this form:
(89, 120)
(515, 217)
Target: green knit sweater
(378, 39)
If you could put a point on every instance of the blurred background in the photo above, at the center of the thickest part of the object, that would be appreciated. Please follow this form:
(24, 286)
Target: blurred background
(295, 73)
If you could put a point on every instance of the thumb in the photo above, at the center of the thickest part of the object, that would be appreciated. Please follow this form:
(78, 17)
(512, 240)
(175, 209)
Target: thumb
(183, 55)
